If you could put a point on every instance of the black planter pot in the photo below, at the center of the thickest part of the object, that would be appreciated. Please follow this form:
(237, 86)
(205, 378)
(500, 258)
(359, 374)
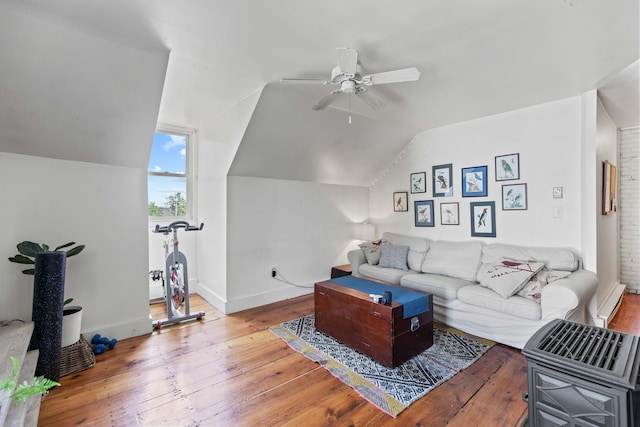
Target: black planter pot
(48, 301)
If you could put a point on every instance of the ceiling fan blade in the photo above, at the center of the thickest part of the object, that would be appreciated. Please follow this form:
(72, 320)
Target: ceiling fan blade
(371, 99)
(397, 76)
(304, 81)
(326, 101)
(347, 60)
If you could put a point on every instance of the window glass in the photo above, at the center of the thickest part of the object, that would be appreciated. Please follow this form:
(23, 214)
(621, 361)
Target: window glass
(168, 175)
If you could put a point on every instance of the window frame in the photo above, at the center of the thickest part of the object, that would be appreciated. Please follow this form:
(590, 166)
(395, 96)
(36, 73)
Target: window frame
(190, 172)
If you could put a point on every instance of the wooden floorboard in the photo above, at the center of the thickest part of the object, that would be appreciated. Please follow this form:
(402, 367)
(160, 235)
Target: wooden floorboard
(232, 371)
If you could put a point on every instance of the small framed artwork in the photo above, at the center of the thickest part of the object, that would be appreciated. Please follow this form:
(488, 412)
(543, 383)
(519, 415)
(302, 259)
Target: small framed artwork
(419, 182)
(507, 167)
(514, 197)
(442, 181)
(608, 188)
(424, 213)
(449, 213)
(400, 202)
(474, 181)
(483, 219)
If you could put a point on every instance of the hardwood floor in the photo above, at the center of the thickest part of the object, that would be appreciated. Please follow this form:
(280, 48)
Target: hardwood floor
(231, 371)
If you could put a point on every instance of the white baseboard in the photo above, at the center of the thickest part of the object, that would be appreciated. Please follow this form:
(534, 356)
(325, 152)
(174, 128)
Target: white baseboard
(122, 331)
(610, 306)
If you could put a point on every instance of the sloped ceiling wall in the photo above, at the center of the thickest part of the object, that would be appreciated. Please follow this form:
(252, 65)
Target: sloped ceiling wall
(70, 92)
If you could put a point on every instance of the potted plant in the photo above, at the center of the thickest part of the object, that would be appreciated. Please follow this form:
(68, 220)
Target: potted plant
(72, 315)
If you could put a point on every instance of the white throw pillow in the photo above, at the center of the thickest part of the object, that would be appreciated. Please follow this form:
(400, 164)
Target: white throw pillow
(533, 288)
(371, 251)
(508, 276)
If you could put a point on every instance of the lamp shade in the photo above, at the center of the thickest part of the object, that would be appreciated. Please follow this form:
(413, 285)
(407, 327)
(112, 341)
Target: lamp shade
(365, 231)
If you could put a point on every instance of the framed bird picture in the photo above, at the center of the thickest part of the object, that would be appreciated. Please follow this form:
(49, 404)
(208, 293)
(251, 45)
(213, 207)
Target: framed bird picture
(442, 181)
(449, 213)
(507, 167)
(474, 181)
(419, 182)
(483, 219)
(514, 197)
(424, 213)
(400, 201)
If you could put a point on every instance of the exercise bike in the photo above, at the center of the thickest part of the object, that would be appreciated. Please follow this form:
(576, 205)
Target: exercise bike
(177, 288)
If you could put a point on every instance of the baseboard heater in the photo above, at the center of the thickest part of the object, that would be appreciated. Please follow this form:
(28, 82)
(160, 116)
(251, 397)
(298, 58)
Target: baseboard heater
(582, 375)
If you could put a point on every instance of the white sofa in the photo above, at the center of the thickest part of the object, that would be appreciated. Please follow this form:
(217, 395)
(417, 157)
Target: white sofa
(450, 270)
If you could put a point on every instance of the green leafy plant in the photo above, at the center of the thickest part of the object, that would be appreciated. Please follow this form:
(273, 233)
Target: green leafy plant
(22, 391)
(28, 251)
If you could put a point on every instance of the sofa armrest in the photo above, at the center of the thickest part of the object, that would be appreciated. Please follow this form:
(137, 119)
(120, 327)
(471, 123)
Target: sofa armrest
(356, 258)
(560, 299)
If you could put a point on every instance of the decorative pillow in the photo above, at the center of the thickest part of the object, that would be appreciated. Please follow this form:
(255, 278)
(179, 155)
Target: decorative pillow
(508, 276)
(533, 288)
(392, 256)
(371, 251)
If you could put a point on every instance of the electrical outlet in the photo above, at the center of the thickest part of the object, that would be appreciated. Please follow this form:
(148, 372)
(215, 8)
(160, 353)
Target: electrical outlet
(273, 272)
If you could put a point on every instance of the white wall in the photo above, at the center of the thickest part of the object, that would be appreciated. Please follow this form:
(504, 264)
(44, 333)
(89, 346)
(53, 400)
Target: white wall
(301, 228)
(56, 201)
(629, 208)
(608, 243)
(548, 139)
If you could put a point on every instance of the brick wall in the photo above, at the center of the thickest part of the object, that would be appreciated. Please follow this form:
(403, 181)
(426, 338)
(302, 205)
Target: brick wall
(629, 209)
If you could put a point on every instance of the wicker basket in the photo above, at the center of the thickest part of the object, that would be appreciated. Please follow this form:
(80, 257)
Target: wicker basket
(76, 357)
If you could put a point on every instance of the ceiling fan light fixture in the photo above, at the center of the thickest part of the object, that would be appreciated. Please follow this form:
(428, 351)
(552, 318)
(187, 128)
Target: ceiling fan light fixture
(348, 86)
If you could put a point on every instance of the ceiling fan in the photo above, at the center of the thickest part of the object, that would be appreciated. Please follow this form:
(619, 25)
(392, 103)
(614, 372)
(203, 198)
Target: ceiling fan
(348, 76)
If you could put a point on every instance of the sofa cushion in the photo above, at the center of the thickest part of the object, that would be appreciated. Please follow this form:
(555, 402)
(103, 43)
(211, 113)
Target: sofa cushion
(516, 306)
(389, 275)
(442, 286)
(533, 288)
(455, 259)
(553, 258)
(371, 251)
(508, 276)
(418, 247)
(393, 256)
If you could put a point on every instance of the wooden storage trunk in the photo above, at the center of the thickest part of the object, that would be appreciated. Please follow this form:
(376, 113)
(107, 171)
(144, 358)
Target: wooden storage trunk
(377, 330)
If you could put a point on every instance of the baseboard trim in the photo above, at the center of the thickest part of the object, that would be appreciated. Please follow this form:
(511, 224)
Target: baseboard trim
(122, 331)
(611, 305)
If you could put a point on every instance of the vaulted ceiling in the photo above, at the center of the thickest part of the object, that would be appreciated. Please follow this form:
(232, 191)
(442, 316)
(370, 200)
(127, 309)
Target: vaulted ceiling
(476, 59)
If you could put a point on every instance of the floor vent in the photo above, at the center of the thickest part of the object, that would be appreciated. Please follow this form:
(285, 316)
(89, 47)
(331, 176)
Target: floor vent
(583, 375)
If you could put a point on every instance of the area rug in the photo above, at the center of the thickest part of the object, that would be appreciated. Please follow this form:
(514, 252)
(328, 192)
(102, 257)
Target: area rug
(391, 390)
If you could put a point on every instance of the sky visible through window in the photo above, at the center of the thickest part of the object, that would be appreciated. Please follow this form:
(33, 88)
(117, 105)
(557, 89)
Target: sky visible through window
(168, 154)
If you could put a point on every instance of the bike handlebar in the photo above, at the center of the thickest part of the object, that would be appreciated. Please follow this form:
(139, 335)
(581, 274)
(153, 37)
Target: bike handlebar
(174, 226)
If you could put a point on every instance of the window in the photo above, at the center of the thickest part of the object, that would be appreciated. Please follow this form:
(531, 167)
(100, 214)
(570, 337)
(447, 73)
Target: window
(170, 179)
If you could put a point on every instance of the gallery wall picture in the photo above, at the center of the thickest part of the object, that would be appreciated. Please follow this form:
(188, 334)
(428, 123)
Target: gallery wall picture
(608, 188)
(514, 197)
(483, 219)
(449, 213)
(423, 213)
(418, 182)
(508, 167)
(474, 181)
(400, 201)
(442, 181)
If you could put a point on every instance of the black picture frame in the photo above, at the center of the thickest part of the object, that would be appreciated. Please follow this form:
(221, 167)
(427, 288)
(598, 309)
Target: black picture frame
(423, 210)
(508, 167)
(442, 180)
(450, 213)
(400, 201)
(483, 219)
(418, 182)
(514, 197)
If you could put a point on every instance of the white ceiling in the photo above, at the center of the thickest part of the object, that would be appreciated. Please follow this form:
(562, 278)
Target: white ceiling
(477, 58)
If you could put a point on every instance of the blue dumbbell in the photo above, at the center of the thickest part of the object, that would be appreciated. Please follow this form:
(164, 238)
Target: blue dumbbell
(97, 339)
(99, 348)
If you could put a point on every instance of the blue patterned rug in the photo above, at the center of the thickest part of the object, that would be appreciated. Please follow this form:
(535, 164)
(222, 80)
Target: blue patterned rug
(391, 390)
